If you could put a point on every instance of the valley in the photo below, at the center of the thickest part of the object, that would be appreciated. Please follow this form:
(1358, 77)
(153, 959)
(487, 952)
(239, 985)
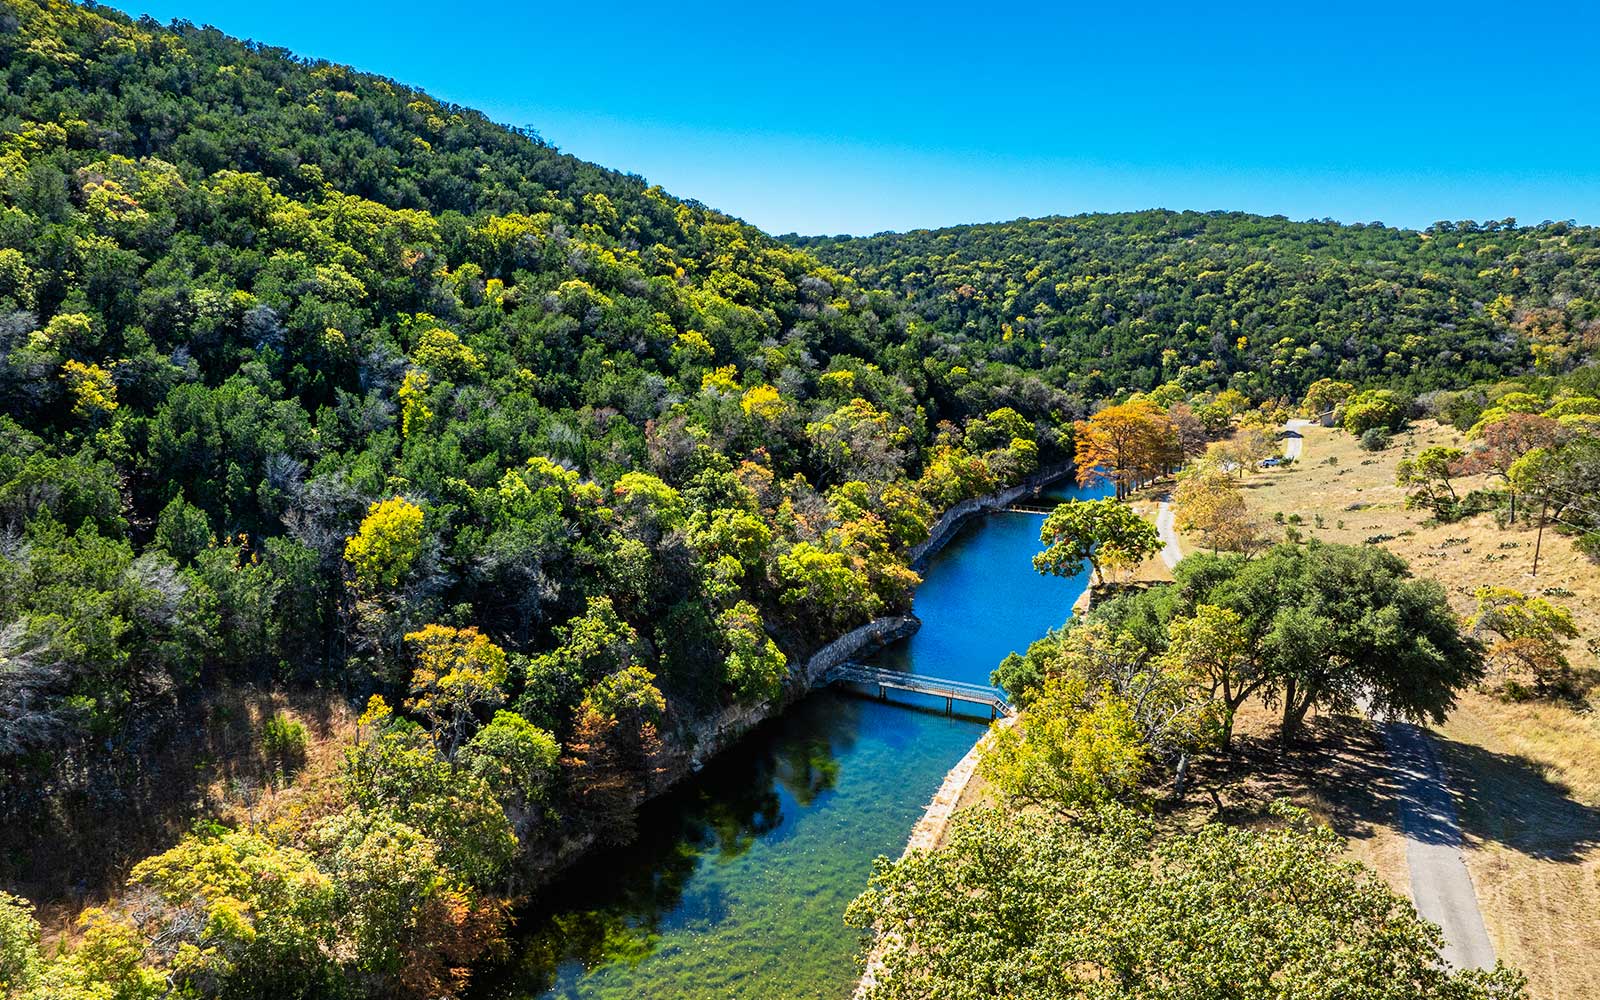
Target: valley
(434, 565)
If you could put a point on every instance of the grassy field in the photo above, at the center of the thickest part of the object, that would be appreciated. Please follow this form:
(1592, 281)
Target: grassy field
(1526, 776)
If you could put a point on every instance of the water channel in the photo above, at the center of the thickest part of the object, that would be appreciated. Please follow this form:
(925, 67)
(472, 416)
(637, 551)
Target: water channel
(737, 884)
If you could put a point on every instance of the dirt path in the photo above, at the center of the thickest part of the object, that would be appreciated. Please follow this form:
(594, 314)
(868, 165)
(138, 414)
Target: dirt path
(1165, 528)
(1440, 883)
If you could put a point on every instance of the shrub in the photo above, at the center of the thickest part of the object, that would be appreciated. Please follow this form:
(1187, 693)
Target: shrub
(283, 742)
(1374, 439)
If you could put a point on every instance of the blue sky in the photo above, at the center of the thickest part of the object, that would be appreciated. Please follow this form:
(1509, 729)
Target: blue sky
(834, 117)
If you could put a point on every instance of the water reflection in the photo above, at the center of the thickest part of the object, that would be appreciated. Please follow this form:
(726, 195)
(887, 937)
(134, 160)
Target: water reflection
(737, 884)
(738, 881)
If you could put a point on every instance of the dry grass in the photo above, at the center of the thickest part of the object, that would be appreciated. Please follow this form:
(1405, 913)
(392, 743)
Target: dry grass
(1356, 498)
(1526, 776)
(1527, 780)
(78, 854)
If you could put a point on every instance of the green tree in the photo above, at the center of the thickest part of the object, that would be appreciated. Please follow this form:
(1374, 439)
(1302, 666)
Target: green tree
(410, 923)
(592, 645)
(1083, 530)
(1032, 906)
(1530, 635)
(1214, 643)
(514, 757)
(183, 530)
(395, 770)
(826, 585)
(19, 946)
(1331, 625)
(1373, 409)
(1072, 748)
(629, 697)
(755, 668)
(241, 917)
(1428, 476)
(1325, 394)
(107, 962)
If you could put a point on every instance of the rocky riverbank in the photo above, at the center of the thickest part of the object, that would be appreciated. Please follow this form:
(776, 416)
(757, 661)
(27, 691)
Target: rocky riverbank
(951, 520)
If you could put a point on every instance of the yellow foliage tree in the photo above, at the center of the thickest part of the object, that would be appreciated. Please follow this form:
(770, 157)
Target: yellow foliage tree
(414, 412)
(457, 670)
(763, 402)
(94, 395)
(386, 545)
(442, 352)
(1126, 445)
(1207, 501)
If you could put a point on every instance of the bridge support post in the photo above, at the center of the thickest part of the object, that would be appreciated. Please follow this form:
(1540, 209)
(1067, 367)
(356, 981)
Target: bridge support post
(883, 693)
(950, 707)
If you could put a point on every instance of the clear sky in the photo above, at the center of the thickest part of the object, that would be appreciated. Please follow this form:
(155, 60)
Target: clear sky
(834, 117)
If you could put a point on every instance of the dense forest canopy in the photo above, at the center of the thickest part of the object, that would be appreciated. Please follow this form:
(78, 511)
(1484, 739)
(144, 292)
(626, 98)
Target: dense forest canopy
(1125, 302)
(245, 299)
(309, 380)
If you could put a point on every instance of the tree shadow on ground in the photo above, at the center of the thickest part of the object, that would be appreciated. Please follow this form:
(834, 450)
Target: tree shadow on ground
(1342, 771)
(1338, 770)
(1509, 800)
(70, 841)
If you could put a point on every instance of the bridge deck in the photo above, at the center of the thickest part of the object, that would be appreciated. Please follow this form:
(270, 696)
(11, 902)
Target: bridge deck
(938, 687)
(1030, 508)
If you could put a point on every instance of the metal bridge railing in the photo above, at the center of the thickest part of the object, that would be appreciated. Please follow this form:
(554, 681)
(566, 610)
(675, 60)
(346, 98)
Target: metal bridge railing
(898, 680)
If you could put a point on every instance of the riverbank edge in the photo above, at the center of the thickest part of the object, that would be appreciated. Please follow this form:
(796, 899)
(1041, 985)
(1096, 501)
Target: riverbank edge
(951, 520)
(719, 732)
(929, 831)
(716, 734)
(930, 827)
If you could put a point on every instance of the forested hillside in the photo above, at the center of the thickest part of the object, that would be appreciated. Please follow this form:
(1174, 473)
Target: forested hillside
(307, 379)
(1112, 303)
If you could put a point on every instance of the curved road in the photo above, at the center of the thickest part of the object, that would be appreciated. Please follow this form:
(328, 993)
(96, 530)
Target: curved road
(1165, 528)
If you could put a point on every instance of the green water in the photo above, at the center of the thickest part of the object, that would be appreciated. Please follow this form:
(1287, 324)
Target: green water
(737, 884)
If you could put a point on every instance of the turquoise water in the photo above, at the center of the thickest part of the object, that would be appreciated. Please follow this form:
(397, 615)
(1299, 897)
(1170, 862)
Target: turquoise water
(981, 599)
(737, 884)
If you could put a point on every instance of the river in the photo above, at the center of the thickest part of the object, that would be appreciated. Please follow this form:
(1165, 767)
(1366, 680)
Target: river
(737, 884)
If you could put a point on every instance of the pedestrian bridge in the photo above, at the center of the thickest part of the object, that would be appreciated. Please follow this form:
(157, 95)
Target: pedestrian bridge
(885, 681)
(1030, 507)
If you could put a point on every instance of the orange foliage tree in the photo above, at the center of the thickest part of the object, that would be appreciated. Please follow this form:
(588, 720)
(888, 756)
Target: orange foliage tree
(1126, 445)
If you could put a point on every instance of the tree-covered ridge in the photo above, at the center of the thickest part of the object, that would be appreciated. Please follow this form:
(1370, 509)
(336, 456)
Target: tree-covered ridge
(257, 311)
(1108, 303)
(308, 379)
